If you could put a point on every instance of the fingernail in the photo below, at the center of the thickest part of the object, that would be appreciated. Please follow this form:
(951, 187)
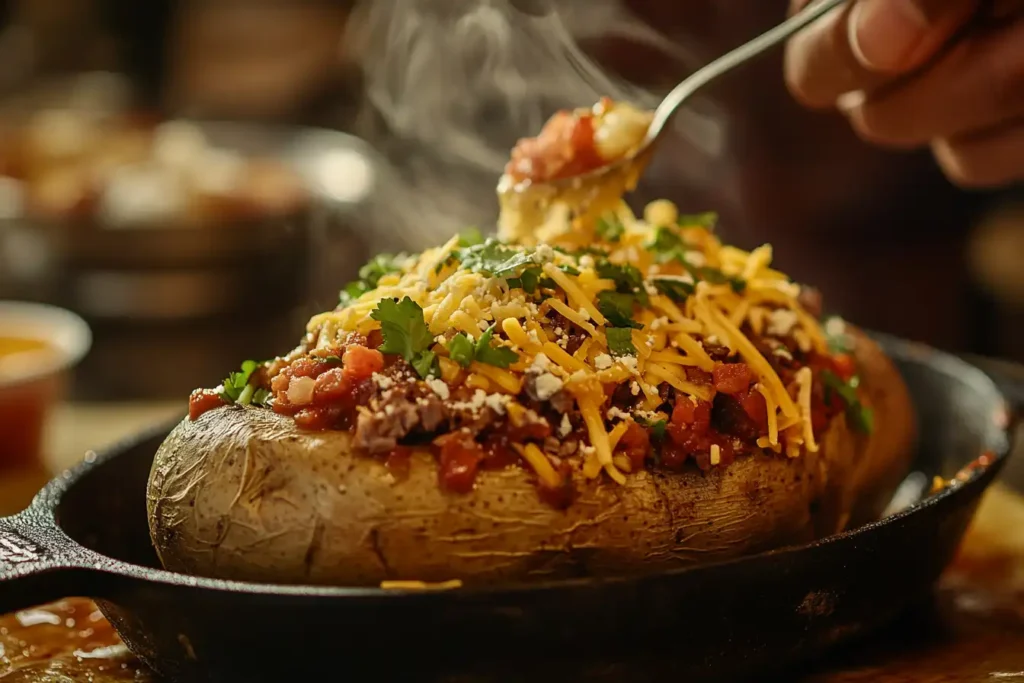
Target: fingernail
(885, 33)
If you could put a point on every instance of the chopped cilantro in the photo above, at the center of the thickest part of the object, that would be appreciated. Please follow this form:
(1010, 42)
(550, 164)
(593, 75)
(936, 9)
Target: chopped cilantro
(715, 277)
(332, 359)
(666, 240)
(676, 290)
(617, 308)
(610, 228)
(570, 270)
(706, 220)
(470, 238)
(620, 341)
(464, 351)
(582, 251)
(494, 258)
(627, 279)
(405, 333)
(860, 416)
(236, 388)
(370, 275)
(657, 427)
(528, 280)
(461, 350)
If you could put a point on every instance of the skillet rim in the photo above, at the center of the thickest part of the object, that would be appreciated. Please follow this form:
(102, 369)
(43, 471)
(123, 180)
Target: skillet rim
(45, 505)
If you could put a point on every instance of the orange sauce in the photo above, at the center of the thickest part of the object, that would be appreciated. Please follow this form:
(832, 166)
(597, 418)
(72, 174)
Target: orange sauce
(26, 393)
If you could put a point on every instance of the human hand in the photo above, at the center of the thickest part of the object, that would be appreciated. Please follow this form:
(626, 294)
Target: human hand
(908, 73)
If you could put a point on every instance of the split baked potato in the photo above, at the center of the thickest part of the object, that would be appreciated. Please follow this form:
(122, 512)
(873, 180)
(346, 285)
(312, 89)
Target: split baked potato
(603, 397)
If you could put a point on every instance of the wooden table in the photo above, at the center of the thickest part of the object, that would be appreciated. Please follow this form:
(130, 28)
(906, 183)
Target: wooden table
(973, 633)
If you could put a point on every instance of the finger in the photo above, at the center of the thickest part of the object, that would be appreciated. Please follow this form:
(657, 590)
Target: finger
(976, 85)
(866, 43)
(992, 158)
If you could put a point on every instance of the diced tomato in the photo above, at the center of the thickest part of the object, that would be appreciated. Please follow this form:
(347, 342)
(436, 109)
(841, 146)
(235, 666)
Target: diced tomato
(636, 445)
(360, 362)
(459, 460)
(565, 147)
(673, 457)
(756, 408)
(398, 462)
(332, 385)
(700, 377)
(845, 366)
(726, 454)
(374, 339)
(731, 378)
(498, 452)
(202, 401)
(318, 418)
(281, 381)
(695, 416)
(308, 366)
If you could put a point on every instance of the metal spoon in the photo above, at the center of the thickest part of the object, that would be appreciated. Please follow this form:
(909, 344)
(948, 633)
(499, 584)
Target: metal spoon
(682, 92)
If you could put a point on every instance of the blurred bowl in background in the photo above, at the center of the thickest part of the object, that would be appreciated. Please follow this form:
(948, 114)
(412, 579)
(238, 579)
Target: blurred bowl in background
(39, 345)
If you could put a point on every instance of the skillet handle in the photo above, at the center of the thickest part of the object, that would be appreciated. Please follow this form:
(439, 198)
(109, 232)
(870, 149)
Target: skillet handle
(36, 566)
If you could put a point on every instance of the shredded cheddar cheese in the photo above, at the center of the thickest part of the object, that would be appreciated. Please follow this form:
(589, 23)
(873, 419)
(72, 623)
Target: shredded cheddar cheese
(587, 312)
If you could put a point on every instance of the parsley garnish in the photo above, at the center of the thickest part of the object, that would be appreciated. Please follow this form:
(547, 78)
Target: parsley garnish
(569, 270)
(676, 290)
(528, 280)
(860, 416)
(494, 258)
(370, 275)
(405, 333)
(463, 351)
(470, 238)
(666, 241)
(238, 390)
(706, 220)
(715, 277)
(610, 228)
(657, 427)
(620, 341)
(627, 279)
(617, 308)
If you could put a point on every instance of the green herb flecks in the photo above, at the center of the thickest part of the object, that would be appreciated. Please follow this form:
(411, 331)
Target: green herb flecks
(620, 341)
(617, 308)
(237, 389)
(610, 228)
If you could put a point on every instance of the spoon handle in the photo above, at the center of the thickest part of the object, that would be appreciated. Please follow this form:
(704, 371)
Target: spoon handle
(733, 59)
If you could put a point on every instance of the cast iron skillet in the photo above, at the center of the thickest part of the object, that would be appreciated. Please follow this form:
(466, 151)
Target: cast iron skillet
(86, 534)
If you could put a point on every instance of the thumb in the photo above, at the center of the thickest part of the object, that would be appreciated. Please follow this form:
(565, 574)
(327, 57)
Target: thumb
(896, 36)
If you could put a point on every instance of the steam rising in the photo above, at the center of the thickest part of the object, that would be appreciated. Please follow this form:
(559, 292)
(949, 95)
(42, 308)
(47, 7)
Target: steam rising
(457, 82)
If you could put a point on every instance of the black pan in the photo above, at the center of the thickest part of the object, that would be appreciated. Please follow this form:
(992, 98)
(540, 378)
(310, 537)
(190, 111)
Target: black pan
(86, 534)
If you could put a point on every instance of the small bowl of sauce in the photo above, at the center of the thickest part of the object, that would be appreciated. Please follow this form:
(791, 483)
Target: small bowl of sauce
(38, 347)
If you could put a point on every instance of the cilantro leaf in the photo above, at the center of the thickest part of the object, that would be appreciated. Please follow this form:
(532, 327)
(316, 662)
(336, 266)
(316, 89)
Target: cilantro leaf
(617, 308)
(656, 427)
(610, 228)
(370, 275)
(405, 333)
(666, 240)
(569, 270)
(860, 416)
(715, 277)
(425, 364)
(236, 388)
(707, 220)
(461, 350)
(527, 281)
(620, 341)
(836, 337)
(470, 238)
(627, 278)
(674, 289)
(494, 258)
(498, 356)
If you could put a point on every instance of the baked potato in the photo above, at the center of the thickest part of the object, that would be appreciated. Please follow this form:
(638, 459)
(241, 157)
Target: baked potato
(598, 398)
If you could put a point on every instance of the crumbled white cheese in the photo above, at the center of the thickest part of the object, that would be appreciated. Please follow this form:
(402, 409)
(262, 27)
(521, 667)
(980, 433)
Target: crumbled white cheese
(603, 361)
(565, 428)
(584, 313)
(781, 322)
(543, 253)
(563, 342)
(651, 289)
(439, 339)
(533, 336)
(540, 362)
(547, 385)
(616, 414)
(382, 381)
(657, 323)
(629, 362)
(835, 327)
(783, 352)
(634, 388)
(712, 339)
(558, 331)
(587, 261)
(439, 388)
(497, 403)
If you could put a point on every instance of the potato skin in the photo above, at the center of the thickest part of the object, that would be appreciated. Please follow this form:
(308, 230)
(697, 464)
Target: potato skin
(241, 493)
